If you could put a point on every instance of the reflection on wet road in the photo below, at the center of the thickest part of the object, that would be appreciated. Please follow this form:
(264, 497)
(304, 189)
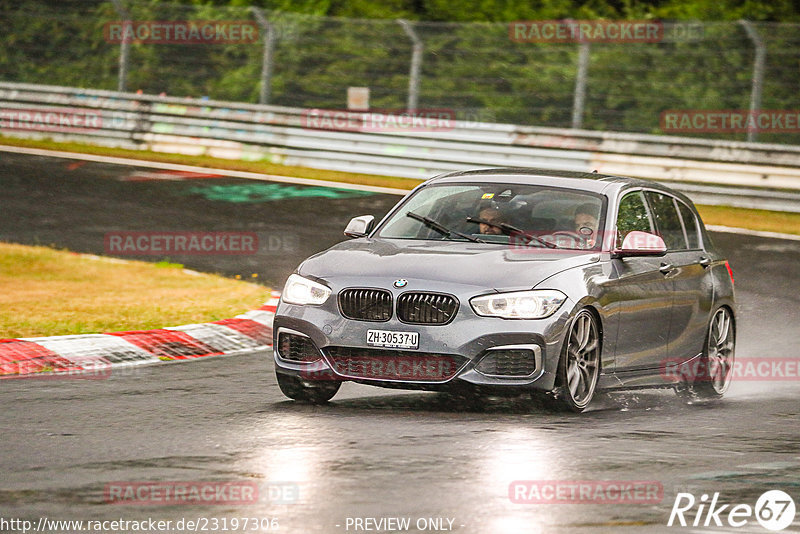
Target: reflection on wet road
(377, 453)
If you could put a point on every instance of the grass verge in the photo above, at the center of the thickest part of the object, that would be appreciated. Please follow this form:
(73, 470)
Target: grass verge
(770, 221)
(763, 220)
(47, 292)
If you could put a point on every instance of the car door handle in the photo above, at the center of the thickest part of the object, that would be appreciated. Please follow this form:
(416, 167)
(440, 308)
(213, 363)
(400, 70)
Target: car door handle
(705, 262)
(666, 268)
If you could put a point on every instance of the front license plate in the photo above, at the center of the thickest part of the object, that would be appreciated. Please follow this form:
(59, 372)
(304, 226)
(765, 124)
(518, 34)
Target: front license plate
(393, 340)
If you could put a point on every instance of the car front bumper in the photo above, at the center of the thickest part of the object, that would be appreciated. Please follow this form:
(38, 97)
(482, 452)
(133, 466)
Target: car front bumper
(459, 345)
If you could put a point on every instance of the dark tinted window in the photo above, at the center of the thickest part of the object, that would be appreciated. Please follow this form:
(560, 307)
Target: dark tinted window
(632, 216)
(668, 222)
(690, 223)
(548, 213)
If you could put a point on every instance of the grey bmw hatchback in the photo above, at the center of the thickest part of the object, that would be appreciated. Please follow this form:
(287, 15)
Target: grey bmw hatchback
(515, 281)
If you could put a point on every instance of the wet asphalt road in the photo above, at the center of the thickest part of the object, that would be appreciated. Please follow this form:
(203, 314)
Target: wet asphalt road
(369, 453)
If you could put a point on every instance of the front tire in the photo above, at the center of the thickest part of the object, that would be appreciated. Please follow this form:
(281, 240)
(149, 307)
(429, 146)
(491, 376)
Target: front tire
(712, 378)
(299, 390)
(579, 365)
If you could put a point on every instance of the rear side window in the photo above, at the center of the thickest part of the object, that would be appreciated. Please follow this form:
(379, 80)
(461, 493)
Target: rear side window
(668, 222)
(632, 216)
(690, 223)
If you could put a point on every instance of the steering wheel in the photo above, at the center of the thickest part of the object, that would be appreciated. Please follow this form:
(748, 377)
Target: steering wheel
(573, 235)
(579, 240)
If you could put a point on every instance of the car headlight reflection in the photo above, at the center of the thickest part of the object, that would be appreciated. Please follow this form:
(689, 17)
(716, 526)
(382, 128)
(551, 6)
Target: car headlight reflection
(299, 290)
(534, 304)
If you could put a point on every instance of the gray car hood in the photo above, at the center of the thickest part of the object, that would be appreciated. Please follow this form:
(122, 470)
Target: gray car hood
(473, 264)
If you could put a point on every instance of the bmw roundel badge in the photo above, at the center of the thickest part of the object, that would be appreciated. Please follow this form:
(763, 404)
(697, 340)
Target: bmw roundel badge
(401, 283)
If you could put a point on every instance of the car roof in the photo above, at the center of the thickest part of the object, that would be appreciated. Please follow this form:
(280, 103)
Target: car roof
(585, 181)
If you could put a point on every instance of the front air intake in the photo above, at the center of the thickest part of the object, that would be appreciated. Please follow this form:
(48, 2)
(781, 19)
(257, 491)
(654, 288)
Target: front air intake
(510, 363)
(297, 348)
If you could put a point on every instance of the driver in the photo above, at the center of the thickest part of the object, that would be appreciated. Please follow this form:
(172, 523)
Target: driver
(492, 215)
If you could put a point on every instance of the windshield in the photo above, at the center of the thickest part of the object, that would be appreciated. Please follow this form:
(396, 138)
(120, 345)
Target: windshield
(509, 214)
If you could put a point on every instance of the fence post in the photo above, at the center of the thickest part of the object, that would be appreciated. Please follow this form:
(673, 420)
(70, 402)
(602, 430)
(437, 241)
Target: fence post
(758, 74)
(266, 59)
(124, 46)
(579, 101)
(416, 64)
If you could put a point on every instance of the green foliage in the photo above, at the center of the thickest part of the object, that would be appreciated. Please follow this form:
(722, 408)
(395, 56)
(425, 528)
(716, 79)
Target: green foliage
(322, 47)
(775, 11)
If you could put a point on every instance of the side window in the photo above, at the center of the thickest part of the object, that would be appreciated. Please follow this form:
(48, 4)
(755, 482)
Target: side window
(632, 216)
(690, 223)
(668, 222)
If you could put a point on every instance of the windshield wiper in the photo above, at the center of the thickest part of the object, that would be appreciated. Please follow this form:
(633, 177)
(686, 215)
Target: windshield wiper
(509, 229)
(442, 229)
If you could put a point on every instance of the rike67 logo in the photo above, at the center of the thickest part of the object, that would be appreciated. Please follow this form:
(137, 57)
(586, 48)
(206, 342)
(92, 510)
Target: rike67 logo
(774, 510)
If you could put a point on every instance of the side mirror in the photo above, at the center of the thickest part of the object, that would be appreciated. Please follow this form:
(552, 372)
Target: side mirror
(359, 226)
(638, 243)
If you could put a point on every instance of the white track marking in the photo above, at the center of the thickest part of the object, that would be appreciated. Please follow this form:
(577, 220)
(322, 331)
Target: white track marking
(757, 233)
(191, 168)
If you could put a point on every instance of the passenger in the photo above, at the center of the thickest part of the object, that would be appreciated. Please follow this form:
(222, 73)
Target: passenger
(585, 223)
(586, 218)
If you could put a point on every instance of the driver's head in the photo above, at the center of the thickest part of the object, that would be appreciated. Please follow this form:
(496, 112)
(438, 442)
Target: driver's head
(585, 217)
(492, 215)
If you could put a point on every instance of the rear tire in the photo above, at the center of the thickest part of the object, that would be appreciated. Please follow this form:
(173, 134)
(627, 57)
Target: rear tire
(711, 377)
(297, 389)
(579, 365)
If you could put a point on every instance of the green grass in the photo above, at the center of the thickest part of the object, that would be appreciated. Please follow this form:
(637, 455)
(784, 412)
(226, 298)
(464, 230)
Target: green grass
(763, 220)
(47, 292)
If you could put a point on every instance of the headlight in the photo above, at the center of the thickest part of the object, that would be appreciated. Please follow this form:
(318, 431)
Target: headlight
(534, 304)
(299, 290)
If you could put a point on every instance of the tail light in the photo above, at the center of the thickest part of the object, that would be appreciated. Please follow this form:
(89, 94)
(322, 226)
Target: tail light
(730, 271)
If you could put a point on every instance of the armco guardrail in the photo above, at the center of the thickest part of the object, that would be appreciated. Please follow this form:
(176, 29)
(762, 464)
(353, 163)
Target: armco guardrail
(281, 135)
